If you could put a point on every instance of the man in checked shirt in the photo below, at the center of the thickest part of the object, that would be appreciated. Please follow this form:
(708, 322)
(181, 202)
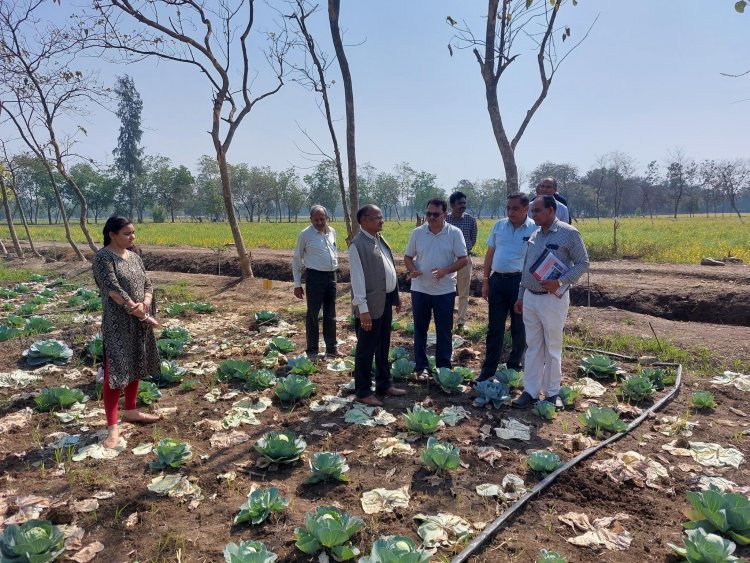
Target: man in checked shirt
(544, 313)
(468, 225)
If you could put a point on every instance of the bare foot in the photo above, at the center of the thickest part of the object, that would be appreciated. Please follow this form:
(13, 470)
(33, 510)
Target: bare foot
(113, 437)
(142, 417)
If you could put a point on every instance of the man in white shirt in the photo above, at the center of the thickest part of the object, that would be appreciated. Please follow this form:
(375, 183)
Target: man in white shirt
(434, 253)
(548, 186)
(374, 294)
(316, 249)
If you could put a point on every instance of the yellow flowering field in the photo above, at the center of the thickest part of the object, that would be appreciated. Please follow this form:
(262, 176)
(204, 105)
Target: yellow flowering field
(683, 241)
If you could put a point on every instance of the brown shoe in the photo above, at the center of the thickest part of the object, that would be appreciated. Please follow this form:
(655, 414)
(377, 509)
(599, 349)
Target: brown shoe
(395, 392)
(370, 400)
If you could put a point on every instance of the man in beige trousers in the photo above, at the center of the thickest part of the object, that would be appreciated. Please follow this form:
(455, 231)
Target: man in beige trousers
(468, 225)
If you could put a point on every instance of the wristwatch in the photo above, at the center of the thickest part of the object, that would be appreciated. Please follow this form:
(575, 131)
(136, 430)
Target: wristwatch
(559, 282)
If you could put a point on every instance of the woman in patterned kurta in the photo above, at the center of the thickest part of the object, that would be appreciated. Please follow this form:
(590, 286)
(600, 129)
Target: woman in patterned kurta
(130, 352)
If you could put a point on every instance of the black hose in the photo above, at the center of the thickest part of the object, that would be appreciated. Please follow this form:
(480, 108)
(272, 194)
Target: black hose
(491, 529)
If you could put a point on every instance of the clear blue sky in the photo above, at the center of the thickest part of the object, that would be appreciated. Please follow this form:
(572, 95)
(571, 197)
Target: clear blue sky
(646, 81)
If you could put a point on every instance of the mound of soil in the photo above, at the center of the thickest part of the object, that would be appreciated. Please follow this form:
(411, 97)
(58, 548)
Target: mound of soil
(671, 291)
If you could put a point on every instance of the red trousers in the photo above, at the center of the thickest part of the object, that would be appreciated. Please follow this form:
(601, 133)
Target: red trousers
(111, 397)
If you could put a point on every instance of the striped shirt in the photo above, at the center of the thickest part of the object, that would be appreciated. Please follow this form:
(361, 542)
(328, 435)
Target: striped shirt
(565, 242)
(468, 226)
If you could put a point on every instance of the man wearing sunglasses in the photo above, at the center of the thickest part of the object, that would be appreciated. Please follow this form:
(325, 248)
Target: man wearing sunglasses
(434, 253)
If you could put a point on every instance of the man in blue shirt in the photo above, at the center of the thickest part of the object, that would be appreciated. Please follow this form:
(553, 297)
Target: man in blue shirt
(506, 249)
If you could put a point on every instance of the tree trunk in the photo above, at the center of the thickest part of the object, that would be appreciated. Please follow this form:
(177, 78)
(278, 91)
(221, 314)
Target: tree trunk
(333, 19)
(9, 217)
(226, 192)
(25, 224)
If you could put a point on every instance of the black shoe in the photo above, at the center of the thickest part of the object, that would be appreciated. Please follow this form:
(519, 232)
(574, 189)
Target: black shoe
(557, 401)
(524, 401)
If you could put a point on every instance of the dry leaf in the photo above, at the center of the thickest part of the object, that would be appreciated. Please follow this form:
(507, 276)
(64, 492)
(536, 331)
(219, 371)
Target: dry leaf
(88, 552)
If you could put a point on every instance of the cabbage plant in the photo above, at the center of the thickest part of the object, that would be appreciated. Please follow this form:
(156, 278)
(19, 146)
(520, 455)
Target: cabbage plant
(175, 333)
(260, 504)
(21, 288)
(148, 393)
(48, 351)
(281, 344)
(35, 541)
(599, 366)
(248, 551)
(637, 388)
(396, 549)
(402, 368)
(397, 353)
(92, 305)
(703, 547)
(702, 400)
(48, 293)
(233, 369)
(294, 388)
(170, 453)
(6, 293)
(544, 461)
(449, 380)
(568, 395)
(544, 409)
(301, 365)
(259, 379)
(467, 373)
(280, 446)
(491, 392)
(329, 529)
(15, 321)
(724, 513)
(170, 372)
(201, 307)
(441, 456)
(267, 317)
(421, 420)
(37, 325)
(549, 556)
(596, 419)
(170, 348)
(27, 309)
(8, 332)
(657, 376)
(58, 397)
(95, 347)
(327, 465)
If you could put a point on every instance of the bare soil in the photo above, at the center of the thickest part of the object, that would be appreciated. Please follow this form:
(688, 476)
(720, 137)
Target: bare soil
(165, 526)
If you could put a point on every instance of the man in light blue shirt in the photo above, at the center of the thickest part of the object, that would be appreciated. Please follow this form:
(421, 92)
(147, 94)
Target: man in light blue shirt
(316, 249)
(548, 186)
(433, 255)
(503, 263)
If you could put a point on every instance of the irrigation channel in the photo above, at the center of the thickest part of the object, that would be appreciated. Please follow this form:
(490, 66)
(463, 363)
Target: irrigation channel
(478, 543)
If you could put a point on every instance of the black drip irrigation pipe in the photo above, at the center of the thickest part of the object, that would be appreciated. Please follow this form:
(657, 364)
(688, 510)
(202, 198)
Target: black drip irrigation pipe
(498, 523)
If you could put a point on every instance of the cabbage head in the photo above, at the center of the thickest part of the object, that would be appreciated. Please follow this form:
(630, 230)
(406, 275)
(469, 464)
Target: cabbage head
(35, 541)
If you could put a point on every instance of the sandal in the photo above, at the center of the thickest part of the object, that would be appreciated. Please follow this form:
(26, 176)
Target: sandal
(423, 375)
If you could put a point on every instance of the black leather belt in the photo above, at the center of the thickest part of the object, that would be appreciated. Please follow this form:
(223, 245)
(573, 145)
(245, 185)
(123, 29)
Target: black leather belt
(506, 274)
(537, 292)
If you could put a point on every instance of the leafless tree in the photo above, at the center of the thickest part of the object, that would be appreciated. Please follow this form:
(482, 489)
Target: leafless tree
(41, 86)
(9, 215)
(313, 75)
(334, 9)
(8, 163)
(510, 25)
(213, 37)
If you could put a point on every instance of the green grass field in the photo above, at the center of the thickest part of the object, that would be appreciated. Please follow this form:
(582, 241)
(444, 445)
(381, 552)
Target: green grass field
(683, 241)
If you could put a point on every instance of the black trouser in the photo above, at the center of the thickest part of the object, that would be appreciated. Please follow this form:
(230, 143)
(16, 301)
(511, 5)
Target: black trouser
(371, 344)
(320, 288)
(503, 294)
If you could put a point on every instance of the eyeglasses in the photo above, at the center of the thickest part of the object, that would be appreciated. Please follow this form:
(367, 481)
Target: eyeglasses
(538, 210)
(376, 217)
(435, 214)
